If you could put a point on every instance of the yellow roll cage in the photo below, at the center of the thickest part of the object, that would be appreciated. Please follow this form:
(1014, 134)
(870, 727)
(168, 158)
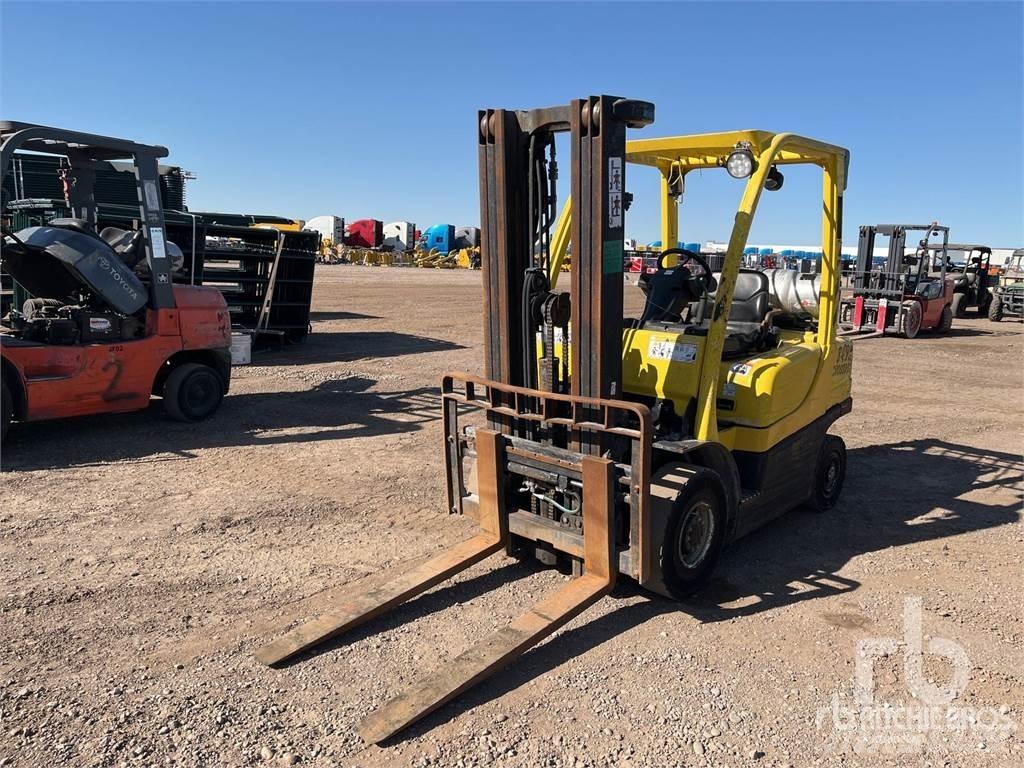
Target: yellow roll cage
(676, 156)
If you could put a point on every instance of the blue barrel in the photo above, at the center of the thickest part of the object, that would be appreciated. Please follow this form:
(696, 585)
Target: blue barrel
(695, 247)
(766, 252)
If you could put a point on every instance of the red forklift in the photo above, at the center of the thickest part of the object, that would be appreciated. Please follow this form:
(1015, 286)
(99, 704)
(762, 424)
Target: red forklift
(106, 327)
(905, 294)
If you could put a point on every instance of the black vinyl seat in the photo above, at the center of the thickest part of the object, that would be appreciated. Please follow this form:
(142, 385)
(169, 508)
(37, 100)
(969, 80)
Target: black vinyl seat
(125, 243)
(751, 299)
(751, 303)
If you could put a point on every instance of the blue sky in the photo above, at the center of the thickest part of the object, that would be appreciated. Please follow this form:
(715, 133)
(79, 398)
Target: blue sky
(369, 110)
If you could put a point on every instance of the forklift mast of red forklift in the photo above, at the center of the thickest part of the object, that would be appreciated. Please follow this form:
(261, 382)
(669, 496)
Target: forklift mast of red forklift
(899, 267)
(84, 151)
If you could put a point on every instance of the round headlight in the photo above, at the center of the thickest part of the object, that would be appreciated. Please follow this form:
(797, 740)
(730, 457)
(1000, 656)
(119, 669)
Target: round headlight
(740, 163)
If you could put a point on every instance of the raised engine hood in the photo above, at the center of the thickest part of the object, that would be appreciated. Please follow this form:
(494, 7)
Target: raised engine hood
(54, 263)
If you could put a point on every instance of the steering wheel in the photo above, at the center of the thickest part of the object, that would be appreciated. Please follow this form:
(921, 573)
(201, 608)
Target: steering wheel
(705, 280)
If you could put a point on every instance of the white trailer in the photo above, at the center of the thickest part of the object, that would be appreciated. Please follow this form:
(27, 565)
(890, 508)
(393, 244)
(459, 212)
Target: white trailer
(331, 229)
(400, 235)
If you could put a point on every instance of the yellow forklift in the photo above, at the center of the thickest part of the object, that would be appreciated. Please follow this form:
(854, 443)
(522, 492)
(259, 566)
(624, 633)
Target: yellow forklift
(635, 447)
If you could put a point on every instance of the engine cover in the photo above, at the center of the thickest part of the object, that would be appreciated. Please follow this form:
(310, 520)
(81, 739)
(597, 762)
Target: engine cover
(53, 255)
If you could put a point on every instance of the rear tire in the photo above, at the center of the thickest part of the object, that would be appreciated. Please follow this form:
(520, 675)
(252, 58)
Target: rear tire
(192, 392)
(7, 406)
(958, 305)
(693, 539)
(995, 309)
(945, 320)
(829, 474)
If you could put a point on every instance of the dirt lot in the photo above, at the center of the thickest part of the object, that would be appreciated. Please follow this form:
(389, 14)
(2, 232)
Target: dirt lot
(143, 561)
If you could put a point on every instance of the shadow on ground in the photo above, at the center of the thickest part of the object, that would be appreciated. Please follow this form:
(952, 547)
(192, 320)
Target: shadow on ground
(345, 346)
(896, 495)
(339, 315)
(334, 410)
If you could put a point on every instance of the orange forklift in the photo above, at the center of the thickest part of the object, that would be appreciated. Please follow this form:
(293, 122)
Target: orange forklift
(107, 327)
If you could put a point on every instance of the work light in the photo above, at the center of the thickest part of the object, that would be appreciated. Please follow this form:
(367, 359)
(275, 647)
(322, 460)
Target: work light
(774, 181)
(740, 163)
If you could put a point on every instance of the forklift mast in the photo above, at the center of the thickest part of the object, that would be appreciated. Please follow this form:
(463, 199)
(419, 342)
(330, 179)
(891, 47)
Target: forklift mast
(892, 279)
(84, 151)
(518, 172)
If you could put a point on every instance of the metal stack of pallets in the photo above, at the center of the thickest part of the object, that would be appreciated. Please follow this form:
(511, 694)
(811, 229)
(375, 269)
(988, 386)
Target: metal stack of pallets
(266, 275)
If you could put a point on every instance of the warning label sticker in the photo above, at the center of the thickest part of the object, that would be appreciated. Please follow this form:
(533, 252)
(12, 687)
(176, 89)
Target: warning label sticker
(740, 369)
(614, 191)
(669, 349)
(156, 241)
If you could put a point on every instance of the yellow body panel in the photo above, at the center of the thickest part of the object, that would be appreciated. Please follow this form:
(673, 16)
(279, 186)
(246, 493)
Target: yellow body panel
(772, 394)
(761, 399)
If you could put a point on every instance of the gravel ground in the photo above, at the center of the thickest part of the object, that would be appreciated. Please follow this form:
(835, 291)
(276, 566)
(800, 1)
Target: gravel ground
(143, 561)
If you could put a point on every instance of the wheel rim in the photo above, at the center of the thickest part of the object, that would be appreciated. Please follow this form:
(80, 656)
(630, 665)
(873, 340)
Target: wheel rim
(911, 322)
(199, 394)
(695, 534)
(830, 482)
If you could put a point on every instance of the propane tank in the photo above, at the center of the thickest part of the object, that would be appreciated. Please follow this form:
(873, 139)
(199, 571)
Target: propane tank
(794, 292)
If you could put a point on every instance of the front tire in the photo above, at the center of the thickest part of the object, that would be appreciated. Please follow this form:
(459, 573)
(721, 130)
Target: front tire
(693, 539)
(192, 392)
(995, 309)
(829, 474)
(910, 320)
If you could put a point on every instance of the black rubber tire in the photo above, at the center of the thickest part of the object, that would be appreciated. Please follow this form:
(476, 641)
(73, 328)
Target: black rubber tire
(984, 304)
(995, 309)
(192, 392)
(829, 474)
(7, 406)
(945, 320)
(681, 578)
(910, 321)
(958, 305)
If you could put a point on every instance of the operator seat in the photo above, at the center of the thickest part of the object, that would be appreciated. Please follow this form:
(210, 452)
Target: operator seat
(751, 303)
(751, 299)
(125, 243)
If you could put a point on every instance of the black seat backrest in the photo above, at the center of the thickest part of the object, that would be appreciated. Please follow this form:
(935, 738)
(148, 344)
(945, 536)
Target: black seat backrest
(125, 243)
(750, 297)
